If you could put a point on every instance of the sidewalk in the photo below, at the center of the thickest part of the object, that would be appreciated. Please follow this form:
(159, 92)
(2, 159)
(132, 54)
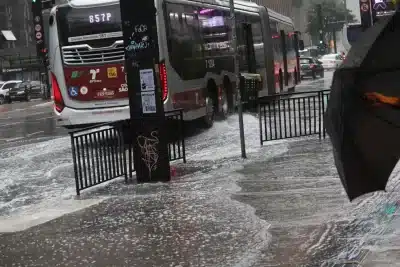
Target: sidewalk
(284, 206)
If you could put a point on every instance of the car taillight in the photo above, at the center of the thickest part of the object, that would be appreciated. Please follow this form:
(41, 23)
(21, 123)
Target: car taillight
(312, 65)
(163, 80)
(57, 96)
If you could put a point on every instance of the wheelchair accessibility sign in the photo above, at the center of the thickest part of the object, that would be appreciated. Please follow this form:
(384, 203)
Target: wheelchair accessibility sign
(73, 91)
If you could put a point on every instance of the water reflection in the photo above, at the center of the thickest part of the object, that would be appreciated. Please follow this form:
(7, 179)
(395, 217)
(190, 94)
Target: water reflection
(29, 126)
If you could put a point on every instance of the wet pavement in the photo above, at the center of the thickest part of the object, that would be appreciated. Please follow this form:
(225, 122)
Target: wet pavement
(283, 206)
(26, 122)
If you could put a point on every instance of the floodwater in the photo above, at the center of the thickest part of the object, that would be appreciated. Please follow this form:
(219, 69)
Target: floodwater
(283, 206)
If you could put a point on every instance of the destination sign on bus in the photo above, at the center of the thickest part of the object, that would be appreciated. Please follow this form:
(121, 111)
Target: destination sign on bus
(87, 24)
(97, 18)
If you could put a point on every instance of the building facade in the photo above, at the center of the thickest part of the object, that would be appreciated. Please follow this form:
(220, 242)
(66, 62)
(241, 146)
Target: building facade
(16, 15)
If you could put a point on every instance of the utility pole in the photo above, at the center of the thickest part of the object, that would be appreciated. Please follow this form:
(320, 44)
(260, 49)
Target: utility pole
(148, 129)
(320, 26)
(236, 63)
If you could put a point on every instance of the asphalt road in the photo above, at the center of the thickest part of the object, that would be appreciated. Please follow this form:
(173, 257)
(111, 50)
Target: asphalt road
(27, 122)
(308, 84)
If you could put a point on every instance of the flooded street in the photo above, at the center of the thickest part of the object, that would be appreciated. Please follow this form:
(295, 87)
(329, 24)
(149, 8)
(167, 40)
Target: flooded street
(282, 206)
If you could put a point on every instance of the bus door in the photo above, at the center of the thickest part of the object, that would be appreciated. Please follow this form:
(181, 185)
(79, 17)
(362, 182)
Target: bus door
(251, 56)
(249, 60)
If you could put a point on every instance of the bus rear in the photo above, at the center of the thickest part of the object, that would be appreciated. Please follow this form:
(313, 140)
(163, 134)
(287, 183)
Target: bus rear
(87, 63)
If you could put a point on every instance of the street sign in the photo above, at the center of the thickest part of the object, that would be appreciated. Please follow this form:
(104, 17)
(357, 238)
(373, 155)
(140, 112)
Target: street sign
(365, 14)
(364, 7)
(147, 117)
(39, 32)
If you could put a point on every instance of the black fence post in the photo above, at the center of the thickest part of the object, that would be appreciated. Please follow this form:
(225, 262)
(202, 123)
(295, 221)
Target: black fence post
(320, 113)
(123, 151)
(260, 123)
(323, 114)
(148, 121)
(75, 164)
(183, 135)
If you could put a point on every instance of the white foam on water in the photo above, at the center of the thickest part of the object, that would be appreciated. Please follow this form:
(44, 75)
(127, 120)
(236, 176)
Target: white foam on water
(223, 140)
(39, 186)
(46, 104)
(41, 213)
(36, 178)
(39, 177)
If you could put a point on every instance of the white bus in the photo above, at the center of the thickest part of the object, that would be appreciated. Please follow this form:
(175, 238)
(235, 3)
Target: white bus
(196, 71)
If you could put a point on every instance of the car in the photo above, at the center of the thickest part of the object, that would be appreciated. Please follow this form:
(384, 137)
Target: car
(331, 61)
(310, 66)
(21, 92)
(27, 90)
(37, 89)
(5, 87)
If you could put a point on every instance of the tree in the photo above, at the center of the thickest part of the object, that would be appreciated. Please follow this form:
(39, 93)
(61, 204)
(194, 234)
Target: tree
(333, 14)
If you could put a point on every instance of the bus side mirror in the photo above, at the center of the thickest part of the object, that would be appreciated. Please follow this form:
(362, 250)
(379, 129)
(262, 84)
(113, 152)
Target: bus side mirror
(301, 45)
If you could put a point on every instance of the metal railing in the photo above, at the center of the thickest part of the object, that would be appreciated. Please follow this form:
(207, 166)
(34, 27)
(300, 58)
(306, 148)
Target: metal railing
(176, 137)
(292, 115)
(100, 153)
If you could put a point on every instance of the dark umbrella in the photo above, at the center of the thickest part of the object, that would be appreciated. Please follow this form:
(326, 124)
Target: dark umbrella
(363, 113)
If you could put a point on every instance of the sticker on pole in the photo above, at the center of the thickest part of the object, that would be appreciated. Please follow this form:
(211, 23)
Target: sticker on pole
(364, 7)
(38, 35)
(149, 102)
(147, 80)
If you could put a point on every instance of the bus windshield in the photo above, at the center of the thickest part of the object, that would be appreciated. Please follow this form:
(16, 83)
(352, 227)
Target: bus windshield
(80, 25)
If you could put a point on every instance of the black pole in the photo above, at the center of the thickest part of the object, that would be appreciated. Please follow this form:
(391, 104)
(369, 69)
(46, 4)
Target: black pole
(320, 22)
(38, 29)
(41, 50)
(320, 29)
(366, 15)
(147, 120)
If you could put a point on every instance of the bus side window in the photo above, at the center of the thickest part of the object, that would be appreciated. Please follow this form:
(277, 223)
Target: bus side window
(276, 41)
(184, 42)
